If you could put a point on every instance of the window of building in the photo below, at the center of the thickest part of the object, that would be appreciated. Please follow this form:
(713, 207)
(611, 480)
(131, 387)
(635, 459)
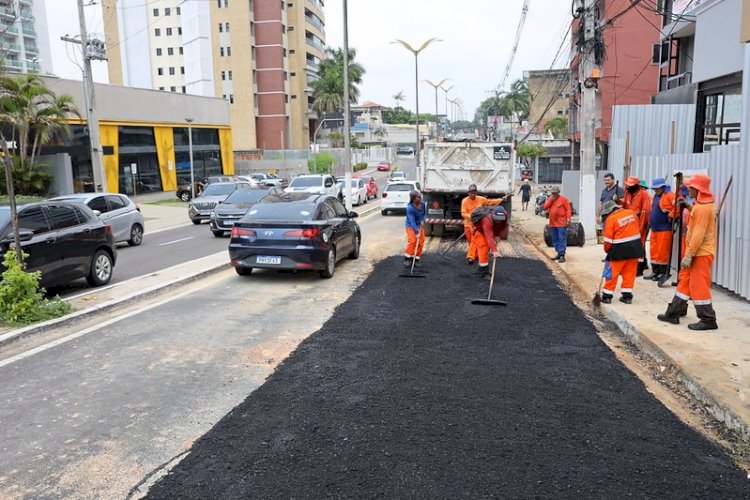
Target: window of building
(169, 31)
(184, 90)
(181, 51)
(223, 75)
(229, 74)
(161, 88)
(182, 70)
(283, 5)
(157, 32)
(179, 30)
(221, 51)
(156, 12)
(170, 51)
(221, 27)
(167, 11)
(226, 27)
(719, 117)
(292, 74)
(177, 11)
(159, 71)
(229, 51)
(231, 98)
(173, 89)
(292, 51)
(284, 52)
(171, 70)
(158, 52)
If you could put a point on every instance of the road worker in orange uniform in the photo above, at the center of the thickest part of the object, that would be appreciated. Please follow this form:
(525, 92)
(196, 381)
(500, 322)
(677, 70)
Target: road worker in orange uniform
(489, 223)
(638, 200)
(468, 205)
(622, 242)
(560, 211)
(660, 220)
(694, 280)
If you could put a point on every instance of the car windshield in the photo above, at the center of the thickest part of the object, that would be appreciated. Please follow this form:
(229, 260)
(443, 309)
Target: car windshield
(399, 187)
(305, 182)
(245, 196)
(218, 189)
(275, 208)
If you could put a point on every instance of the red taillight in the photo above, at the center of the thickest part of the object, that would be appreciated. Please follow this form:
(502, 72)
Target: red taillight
(304, 234)
(241, 232)
(385, 195)
(108, 228)
(435, 204)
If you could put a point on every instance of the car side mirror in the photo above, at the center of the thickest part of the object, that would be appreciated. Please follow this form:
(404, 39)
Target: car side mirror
(328, 183)
(353, 215)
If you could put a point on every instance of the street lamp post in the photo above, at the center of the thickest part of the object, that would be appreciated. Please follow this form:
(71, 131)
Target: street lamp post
(446, 90)
(190, 152)
(416, 82)
(436, 87)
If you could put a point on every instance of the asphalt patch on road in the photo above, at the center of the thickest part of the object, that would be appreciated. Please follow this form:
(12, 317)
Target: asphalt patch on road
(410, 391)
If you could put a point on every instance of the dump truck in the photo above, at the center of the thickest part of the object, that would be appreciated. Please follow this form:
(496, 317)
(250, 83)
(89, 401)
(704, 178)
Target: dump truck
(448, 170)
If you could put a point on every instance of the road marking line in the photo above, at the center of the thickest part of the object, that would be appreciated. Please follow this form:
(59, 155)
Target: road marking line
(176, 241)
(55, 343)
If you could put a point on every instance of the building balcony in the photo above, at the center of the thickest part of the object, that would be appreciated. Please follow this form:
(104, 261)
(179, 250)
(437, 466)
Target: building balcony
(314, 42)
(312, 67)
(13, 63)
(318, 4)
(673, 82)
(7, 12)
(10, 47)
(316, 22)
(29, 31)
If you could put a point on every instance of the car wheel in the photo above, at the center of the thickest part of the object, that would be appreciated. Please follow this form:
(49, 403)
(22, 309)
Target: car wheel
(196, 221)
(185, 196)
(218, 234)
(244, 271)
(136, 235)
(357, 243)
(384, 212)
(101, 269)
(330, 264)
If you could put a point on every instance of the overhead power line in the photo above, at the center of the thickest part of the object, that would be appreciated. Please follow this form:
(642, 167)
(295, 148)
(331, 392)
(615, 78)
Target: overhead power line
(519, 30)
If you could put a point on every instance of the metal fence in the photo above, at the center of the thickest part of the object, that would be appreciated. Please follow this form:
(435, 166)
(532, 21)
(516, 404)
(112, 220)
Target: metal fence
(731, 268)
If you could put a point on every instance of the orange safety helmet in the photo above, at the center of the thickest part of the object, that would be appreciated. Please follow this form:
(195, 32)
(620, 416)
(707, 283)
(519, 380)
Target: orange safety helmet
(703, 184)
(632, 181)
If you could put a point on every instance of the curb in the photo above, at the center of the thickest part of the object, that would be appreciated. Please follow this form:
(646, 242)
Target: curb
(631, 333)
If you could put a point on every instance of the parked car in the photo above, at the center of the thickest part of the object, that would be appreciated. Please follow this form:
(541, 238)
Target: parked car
(396, 196)
(114, 209)
(359, 191)
(405, 150)
(248, 179)
(314, 184)
(200, 208)
(232, 209)
(527, 174)
(184, 192)
(269, 179)
(384, 166)
(397, 177)
(371, 185)
(296, 231)
(65, 241)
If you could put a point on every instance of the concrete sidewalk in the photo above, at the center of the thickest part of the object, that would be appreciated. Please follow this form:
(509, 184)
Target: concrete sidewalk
(714, 366)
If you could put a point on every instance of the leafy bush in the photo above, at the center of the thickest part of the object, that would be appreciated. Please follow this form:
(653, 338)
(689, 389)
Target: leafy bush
(28, 181)
(360, 166)
(22, 299)
(322, 163)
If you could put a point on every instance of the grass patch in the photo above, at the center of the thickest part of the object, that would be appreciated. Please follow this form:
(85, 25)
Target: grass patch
(20, 199)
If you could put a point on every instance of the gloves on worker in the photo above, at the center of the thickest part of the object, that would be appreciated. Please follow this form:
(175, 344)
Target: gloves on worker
(686, 261)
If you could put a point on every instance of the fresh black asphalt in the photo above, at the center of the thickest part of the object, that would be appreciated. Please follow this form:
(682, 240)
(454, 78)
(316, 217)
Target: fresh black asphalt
(410, 391)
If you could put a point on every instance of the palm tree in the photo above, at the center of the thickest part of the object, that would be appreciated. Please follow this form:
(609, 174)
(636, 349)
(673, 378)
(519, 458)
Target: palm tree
(399, 98)
(519, 99)
(557, 125)
(328, 89)
(31, 115)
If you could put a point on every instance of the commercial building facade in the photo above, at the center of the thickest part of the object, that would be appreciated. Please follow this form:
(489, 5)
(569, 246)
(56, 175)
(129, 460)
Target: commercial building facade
(259, 55)
(24, 39)
(550, 96)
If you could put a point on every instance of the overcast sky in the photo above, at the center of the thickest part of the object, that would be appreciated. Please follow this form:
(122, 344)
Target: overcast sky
(477, 40)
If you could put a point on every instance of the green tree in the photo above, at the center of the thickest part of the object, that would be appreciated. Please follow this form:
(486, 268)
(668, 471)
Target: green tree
(399, 98)
(328, 89)
(558, 126)
(518, 99)
(31, 115)
(526, 152)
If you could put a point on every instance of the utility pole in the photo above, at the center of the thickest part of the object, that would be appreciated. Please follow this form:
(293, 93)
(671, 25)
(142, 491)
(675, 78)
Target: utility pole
(93, 49)
(347, 117)
(589, 75)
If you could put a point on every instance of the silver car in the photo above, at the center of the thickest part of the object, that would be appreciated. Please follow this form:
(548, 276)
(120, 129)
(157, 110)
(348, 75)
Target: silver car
(116, 210)
(200, 207)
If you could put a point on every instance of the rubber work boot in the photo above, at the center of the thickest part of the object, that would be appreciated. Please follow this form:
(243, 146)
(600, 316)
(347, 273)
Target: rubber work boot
(418, 263)
(483, 271)
(676, 308)
(706, 317)
(470, 261)
(407, 261)
(556, 257)
(561, 259)
(640, 270)
(659, 271)
(606, 299)
(654, 272)
(626, 298)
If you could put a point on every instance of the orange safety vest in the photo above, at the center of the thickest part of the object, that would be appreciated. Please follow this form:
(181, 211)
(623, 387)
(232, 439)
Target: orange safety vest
(622, 235)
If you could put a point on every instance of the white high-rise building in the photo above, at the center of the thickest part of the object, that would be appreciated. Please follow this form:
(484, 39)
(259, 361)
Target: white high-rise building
(24, 39)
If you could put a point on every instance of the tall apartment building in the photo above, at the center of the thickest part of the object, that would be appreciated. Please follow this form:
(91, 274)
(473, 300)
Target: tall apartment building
(24, 39)
(260, 55)
(550, 96)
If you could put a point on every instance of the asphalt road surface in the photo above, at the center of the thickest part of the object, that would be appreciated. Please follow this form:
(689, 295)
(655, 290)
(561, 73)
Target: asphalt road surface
(410, 391)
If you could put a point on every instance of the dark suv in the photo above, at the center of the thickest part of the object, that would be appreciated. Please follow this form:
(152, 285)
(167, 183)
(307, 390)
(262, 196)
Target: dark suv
(65, 241)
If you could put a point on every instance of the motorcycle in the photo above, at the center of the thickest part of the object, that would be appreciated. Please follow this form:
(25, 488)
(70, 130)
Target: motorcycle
(541, 198)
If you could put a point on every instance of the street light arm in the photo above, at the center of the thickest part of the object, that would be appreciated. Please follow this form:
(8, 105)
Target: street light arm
(406, 45)
(428, 42)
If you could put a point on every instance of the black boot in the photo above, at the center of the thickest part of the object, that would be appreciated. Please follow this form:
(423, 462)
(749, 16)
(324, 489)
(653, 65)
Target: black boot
(676, 308)
(660, 272)
(407, 261)
(483, 271)
(639, 272)
(654, 271)
(626, 298)
(706, 318)
(606, 298)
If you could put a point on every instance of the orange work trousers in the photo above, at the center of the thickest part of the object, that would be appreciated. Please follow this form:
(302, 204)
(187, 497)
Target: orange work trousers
(412, 244)
(661, 242)
(471, 253)
(627, 269)
(483, 248)
(694, 283)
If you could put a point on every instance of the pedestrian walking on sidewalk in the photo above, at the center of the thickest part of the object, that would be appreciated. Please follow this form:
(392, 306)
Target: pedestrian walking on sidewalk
(468, 205)
(415, 215)
(560, 213)
(694, 280)
(489, 223)
(525, 192)
(660, 221)
(638, 200)
(622, 243)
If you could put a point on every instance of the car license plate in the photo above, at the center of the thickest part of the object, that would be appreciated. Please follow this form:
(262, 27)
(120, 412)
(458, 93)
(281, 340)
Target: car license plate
(265, 259)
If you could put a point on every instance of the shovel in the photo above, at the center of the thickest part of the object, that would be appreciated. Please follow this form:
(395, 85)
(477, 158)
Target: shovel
(489, 301)
(442, 254)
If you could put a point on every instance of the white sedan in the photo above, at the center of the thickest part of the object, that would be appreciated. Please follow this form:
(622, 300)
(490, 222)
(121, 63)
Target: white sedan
(359, 191)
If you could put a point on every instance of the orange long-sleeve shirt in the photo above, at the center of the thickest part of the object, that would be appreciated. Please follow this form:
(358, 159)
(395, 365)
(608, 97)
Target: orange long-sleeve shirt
(640, 203)
(468, 205)
(701, 234)
(560, 211)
